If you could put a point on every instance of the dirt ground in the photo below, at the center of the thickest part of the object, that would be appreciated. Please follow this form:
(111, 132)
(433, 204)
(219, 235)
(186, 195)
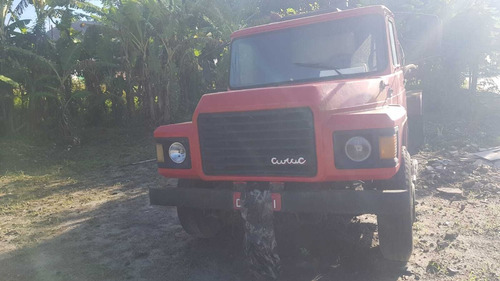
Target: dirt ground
(82, 213)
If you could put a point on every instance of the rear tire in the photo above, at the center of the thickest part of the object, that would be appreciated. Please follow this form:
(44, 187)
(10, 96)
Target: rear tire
(395, 230)
(197, 222)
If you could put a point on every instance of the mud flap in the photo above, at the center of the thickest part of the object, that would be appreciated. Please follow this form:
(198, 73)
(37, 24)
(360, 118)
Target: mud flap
(260, 242)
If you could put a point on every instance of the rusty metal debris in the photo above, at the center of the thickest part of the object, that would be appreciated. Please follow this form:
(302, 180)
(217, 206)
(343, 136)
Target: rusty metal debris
(450, 191)
(491, 154)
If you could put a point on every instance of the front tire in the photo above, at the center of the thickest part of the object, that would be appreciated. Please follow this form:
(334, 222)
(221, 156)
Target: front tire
(197, 222)
(395, 230)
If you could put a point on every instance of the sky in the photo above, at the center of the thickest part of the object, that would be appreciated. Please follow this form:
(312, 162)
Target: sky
(29, 13)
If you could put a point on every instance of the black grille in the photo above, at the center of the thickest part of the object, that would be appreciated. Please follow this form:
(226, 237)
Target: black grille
(243, 143)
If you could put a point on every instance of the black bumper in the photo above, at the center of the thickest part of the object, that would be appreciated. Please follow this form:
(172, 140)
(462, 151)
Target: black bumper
(324, 201)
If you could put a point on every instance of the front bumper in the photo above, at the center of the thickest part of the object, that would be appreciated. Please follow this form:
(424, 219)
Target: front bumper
(321, 201)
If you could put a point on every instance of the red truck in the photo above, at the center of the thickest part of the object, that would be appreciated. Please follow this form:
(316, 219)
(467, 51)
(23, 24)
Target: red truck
(315, 104)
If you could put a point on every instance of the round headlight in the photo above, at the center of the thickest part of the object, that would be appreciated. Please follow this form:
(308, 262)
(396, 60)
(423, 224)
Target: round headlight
(358, 149)
(177, 152)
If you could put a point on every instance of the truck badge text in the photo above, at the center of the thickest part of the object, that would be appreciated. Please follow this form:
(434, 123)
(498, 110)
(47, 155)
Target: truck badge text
(288, 161)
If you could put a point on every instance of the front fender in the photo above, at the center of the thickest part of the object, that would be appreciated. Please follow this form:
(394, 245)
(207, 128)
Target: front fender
(387, 117)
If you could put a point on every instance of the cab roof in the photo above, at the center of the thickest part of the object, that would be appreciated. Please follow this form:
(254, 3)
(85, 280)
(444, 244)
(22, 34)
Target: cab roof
(328, 16)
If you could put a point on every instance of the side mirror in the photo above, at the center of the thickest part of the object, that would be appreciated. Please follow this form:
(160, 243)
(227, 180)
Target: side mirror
(410, 70)
(420, 35)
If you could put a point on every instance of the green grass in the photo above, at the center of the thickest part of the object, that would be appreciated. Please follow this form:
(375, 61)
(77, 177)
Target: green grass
(100, 148)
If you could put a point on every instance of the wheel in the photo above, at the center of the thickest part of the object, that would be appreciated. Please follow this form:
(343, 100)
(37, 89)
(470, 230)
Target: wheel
(395, 230)
(198, 222)
(416, 133)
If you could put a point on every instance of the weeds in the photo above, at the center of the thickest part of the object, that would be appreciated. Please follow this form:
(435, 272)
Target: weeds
(486, 273)
(435, 267)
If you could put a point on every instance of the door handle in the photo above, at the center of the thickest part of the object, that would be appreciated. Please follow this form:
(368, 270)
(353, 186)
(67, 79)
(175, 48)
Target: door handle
(389, 93)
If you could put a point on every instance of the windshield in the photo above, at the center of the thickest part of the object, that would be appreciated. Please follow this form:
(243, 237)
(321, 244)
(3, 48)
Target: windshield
(327, 50)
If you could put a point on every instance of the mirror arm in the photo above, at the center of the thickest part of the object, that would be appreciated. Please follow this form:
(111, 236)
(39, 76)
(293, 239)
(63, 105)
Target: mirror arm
(409, 68)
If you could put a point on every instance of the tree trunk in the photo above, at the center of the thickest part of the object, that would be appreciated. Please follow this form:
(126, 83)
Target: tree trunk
(473, 78)
(165, 111)
(150, 96)
(10, 113)
(6, 121)
(129, 98)
(260, 243)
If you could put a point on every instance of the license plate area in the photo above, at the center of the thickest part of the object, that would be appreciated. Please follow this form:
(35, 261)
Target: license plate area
(276, 197)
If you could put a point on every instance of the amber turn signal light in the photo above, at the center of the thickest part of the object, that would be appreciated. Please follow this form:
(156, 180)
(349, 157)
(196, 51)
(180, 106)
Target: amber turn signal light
(159, 153)
(388, 147)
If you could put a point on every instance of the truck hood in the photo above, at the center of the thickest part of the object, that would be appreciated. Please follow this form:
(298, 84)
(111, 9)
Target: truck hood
(341, 95)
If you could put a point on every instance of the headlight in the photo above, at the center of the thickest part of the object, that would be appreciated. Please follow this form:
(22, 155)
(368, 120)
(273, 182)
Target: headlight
(177, 152)
(358, 149)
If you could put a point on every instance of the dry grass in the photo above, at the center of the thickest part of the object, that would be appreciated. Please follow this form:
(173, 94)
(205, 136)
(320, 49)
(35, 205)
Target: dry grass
(42, 182)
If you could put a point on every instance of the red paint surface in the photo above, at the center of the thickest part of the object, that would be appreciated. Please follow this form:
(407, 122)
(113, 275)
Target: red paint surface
(311, 20)
(347, 104)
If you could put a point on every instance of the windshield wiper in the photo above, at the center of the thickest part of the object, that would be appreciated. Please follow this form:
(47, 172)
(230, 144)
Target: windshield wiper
(319, 65)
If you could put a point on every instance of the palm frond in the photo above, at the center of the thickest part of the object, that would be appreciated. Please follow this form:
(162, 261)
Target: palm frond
(19, 8)
(8, 81)
(21, 53)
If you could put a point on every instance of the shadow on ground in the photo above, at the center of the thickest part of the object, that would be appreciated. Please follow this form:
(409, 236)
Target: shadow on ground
(126, 239)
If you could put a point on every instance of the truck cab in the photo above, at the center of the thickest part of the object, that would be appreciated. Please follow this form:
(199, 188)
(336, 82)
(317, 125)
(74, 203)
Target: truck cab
(314, 105)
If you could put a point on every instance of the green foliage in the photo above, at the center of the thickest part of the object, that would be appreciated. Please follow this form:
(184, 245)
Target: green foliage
(150, 61)
(8, 81)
